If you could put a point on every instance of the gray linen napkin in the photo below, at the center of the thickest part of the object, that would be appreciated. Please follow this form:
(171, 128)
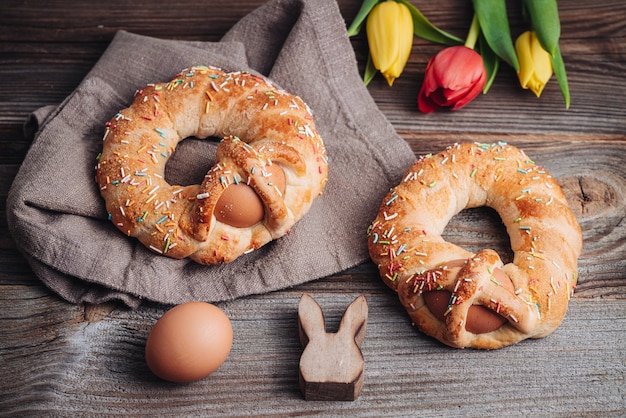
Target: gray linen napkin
(59, 221)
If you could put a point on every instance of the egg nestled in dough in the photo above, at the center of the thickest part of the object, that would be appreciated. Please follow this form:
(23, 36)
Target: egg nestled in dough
(240, 206)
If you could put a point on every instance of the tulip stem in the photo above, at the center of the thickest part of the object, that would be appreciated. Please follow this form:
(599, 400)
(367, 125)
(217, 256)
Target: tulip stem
(472, 35)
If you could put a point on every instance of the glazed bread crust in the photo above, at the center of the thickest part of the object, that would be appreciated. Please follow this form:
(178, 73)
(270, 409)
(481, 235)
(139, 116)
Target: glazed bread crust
(262, 126)
(405, 242)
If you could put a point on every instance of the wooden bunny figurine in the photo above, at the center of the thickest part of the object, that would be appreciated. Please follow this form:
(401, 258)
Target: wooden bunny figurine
(331, 365)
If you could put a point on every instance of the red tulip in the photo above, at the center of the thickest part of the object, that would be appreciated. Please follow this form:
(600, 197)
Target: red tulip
(453, 78)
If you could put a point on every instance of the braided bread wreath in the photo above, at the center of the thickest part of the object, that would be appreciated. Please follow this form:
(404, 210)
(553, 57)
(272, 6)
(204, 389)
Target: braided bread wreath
(270, 165)
(473, 300)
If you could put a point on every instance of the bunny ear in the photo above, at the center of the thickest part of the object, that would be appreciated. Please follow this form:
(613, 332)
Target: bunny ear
(354, 320)
(310, 319)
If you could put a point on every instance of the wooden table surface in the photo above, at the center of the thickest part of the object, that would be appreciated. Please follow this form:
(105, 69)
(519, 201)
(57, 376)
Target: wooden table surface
(61, 359)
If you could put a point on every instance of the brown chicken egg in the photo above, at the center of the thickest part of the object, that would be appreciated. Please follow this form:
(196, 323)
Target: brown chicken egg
(240, 206)
(189, 342)
(480, 319)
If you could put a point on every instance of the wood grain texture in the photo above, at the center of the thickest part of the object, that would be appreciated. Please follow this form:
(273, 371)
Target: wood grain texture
(77, 367)
(58, 359)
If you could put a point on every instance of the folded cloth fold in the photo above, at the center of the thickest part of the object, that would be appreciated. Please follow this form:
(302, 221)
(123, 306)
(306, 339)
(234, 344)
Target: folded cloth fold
(57, 217)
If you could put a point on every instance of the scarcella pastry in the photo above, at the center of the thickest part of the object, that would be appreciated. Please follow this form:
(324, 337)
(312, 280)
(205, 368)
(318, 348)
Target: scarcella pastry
(467, 299)
(270, 165)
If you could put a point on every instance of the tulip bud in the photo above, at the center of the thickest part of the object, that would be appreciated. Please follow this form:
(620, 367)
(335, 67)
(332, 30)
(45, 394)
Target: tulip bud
(535, 63)
(390, 38)
(453, 78)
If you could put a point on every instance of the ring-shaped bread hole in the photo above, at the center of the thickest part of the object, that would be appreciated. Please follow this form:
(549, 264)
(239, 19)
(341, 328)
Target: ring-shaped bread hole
(190, 161)
(238, 205)
(475, 229)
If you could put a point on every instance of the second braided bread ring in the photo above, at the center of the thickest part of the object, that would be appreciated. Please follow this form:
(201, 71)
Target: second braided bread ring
(473, 300)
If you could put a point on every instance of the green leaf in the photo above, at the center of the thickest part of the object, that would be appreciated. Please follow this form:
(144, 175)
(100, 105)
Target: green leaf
(559, 71)
(360, 17)
(491, 61)
(544, 16)
(494, 25)
(370, 71)
(423, 28)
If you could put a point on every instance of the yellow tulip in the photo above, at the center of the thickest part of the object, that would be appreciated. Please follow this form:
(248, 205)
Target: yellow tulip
(535, 63)
(390, 38)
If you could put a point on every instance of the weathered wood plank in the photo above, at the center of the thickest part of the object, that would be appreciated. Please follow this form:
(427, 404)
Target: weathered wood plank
(75, 37)
(58, 21)
(405, 371)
